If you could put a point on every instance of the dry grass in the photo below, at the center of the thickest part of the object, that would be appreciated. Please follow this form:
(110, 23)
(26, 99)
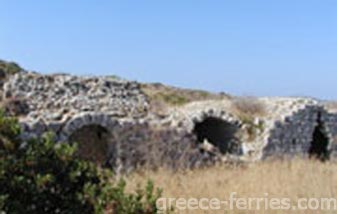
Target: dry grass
(162, 96)
(247, 109)
(248, 106)
(331, 105)
(296, 179)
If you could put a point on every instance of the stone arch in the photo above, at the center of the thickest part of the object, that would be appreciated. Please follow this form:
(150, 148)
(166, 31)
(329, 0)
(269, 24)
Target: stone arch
(319, 146)
(188, 120)
(215, 129)
(93, 133)
(218, 132)
(86, 119)
(93, 143)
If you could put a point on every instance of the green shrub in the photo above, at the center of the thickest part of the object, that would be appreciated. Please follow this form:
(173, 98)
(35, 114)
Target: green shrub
(41, 176)
(171, 98)
(9, 67)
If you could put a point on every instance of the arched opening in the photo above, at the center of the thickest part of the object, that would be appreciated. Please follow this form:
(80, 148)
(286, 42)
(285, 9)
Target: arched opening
(217, 132)
(319, 145)
(93, 141)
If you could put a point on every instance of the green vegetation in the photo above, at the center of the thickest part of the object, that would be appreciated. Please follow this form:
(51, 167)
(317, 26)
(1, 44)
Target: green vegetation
(9, 68)
(41, 176)
(161, 95)
(171, 98)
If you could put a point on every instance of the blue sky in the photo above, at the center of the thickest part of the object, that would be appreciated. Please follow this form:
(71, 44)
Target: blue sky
(243, 47)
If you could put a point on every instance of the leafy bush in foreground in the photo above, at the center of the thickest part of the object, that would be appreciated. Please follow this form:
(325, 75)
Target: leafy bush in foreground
(43, 177)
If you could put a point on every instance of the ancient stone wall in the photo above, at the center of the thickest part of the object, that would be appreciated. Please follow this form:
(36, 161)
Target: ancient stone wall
(117, 113)
(293, 135)
(56, 97)
(330, 121)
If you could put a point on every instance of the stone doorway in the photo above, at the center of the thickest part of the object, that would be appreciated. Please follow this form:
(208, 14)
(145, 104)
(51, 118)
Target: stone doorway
(93, 143)
(218, 132)
(320, 142)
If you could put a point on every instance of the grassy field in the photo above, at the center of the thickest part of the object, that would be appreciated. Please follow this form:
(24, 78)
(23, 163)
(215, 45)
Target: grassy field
(294, 180)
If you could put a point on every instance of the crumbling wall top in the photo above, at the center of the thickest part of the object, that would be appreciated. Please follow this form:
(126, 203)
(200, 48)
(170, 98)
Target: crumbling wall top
(56, 97)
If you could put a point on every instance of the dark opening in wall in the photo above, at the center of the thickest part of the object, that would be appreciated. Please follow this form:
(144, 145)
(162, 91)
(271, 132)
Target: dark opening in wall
(319, 145)
(92, 142)
(217, 132)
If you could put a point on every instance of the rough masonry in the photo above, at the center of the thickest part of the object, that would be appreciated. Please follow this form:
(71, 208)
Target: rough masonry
(113, 122)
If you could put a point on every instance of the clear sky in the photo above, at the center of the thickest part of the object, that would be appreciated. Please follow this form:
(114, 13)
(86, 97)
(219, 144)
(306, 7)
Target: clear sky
(243, 47)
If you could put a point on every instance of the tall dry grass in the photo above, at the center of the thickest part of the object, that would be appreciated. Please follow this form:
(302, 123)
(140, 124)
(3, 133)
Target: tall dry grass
(294, 180)
(248, 107)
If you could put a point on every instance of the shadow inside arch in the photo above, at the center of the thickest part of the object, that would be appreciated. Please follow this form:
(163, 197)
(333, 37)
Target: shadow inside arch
(320, 142)
(93, 143)
(218, 132)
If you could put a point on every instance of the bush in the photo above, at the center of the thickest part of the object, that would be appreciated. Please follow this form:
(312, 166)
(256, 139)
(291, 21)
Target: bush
(41, 176)
(9, 68)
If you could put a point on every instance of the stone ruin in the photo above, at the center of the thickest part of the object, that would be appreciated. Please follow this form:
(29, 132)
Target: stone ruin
(114, 124)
